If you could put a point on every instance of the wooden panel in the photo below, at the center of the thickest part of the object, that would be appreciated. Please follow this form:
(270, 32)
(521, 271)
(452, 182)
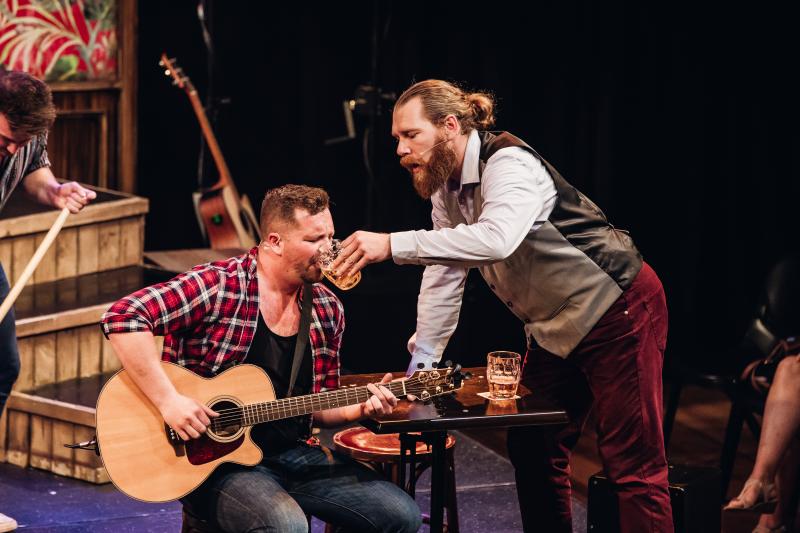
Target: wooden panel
(26, 364)
(88, 465)
(128, 68)
(3, 435)
(131, 241)
(67, 253)
(109, 245)
(22, 251)
(55, 409)
(41, 442)
(18, 451)
(63, 458)
(110, 361)
(46, 271)
(88, 237)
(67, 355)
(5, 257)
(44, 353)
(89, 348)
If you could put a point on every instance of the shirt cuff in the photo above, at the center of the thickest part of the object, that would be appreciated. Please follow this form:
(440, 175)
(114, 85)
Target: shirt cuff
(421, 362)
(404, 247)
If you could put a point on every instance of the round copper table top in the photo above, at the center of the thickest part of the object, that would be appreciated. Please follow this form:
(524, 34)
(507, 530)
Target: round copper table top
(362, 444)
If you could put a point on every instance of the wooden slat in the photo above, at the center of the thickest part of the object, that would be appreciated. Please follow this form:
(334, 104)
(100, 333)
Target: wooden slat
(109, 361)
(66, 412)
(44, 353)
(41, 442)
(46, 271)
(22, 249)
(3, 435)
(63, 458)
(88, 238)
(131, 241)
(89, 349)
(63, 320)
(67, 253)
(88, 465)
(18, 451)
(26, 364)
(109, 245)
(5, 257)
(92, 213)
(67, 355)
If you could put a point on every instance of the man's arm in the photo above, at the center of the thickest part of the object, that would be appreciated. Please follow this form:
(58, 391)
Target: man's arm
(43, 187)
(516, 190)
(139, 357)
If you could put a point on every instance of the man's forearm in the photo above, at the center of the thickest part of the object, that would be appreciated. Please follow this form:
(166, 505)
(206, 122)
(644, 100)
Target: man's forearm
(41, 185)
(139, 357)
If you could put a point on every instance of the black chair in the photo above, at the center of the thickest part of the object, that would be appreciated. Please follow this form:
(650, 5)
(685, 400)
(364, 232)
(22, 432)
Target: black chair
(777, 317)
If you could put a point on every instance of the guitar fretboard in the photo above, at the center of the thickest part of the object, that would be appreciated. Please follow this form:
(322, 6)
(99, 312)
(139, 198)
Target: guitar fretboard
(258, 413)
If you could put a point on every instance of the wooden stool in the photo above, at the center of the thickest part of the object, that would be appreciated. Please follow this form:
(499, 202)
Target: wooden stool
(382, 453)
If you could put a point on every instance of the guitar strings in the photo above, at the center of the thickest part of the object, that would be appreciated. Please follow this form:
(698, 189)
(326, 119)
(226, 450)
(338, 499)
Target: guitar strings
(284, 405)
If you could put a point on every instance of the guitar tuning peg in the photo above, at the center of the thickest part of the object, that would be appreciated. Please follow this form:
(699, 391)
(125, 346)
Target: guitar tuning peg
(160, 62)
(457, 368)
(166, 72)
(448, 363)
(468, 375)
(435, 365)
(420, 365)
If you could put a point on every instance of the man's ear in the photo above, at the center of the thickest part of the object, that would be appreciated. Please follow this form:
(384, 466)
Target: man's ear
(274, 243)
(452, 126)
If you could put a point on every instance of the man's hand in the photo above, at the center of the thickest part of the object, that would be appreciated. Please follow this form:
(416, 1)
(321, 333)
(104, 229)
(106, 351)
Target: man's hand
(382, 401)
(72, 196)
(188, 417)
(360, 249)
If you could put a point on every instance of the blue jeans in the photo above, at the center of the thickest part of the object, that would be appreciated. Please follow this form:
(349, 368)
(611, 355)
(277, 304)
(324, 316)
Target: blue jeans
(9, 356)
(276, 494)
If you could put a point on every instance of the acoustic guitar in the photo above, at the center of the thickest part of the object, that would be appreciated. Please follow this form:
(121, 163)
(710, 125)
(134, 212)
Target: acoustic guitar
(147, 460)
(226, 218)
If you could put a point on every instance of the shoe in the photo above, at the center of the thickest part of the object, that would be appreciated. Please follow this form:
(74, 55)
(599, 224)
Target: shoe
(7, 523)
(765, 502)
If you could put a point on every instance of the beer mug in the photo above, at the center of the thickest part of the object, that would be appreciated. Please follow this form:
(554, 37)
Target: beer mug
(327, 257)
(503, 371)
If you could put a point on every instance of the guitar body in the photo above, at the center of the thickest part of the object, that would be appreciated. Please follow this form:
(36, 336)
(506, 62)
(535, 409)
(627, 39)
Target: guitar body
(135, 444)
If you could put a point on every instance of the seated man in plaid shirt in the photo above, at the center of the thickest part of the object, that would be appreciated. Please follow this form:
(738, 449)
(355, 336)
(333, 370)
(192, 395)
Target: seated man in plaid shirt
(247, 309)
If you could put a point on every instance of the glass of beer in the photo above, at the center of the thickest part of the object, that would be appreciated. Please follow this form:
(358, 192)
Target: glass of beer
(503, 372)
(327, 257)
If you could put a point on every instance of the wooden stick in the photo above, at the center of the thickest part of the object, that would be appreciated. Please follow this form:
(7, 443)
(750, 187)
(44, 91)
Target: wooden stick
(33, 263)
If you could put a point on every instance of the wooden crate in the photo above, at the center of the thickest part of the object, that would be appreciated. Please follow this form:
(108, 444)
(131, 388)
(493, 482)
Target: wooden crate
(106, 234)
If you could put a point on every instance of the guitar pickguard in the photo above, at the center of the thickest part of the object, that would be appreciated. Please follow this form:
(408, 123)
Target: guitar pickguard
(205, 449)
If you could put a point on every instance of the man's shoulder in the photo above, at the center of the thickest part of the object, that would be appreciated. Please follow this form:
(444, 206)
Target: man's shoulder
(325, 299)
(233, 266)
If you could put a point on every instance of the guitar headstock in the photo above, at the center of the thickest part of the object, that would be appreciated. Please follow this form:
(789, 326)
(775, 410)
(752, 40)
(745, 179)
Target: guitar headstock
(171, 69)
(427, 384)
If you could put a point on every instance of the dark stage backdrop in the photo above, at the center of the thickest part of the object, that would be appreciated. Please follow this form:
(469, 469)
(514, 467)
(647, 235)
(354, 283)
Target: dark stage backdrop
(680, 122)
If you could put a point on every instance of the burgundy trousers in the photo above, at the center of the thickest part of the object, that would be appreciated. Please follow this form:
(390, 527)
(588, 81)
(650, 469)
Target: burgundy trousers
(616, 370)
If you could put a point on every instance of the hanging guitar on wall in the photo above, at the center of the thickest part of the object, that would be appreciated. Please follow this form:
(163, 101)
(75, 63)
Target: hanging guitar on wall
(226, 218)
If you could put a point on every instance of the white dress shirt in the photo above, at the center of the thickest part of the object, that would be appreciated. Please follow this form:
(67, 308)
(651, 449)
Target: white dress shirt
(518, 196)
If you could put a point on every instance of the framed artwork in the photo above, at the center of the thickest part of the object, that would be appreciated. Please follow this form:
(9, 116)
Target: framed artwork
(60, 40)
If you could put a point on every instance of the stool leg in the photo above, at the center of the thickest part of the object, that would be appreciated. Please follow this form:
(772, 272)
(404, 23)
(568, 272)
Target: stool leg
(450, 503)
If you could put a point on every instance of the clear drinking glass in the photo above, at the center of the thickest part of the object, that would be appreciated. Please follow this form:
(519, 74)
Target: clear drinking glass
(327, 257)
(503, 373)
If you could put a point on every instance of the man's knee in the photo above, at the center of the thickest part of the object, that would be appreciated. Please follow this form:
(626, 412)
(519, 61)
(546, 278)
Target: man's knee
(279, 513)
(408, 518)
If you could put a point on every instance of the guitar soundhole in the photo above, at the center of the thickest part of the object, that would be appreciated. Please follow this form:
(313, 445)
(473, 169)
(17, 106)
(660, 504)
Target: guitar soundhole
(226, 425)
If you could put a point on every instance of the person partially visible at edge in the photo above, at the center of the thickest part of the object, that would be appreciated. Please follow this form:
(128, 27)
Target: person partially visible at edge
(594, 312)
(247, 309)
(26, 115)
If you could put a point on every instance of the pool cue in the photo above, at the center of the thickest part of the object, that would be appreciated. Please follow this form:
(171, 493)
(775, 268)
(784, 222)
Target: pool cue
(33, 263)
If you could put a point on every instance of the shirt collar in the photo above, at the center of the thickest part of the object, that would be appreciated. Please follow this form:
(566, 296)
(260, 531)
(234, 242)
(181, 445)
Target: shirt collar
(470, 170)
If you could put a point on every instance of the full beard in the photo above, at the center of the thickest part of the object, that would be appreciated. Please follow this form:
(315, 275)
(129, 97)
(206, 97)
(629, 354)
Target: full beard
(431, 176)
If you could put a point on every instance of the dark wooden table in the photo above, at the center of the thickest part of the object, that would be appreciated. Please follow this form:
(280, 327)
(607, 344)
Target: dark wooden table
(463, 409)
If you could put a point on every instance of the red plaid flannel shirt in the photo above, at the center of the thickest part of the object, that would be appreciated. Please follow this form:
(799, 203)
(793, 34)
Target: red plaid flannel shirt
(208, 317)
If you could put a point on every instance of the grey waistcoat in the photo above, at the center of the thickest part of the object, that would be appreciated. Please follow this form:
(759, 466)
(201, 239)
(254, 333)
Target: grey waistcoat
(566, 274)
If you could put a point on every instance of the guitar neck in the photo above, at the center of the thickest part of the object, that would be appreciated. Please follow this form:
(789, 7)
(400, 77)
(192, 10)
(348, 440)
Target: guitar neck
(208, 133)
(258, 413)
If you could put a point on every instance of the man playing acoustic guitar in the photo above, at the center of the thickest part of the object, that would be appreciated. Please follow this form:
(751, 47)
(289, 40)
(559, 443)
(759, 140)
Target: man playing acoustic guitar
(247, 309)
